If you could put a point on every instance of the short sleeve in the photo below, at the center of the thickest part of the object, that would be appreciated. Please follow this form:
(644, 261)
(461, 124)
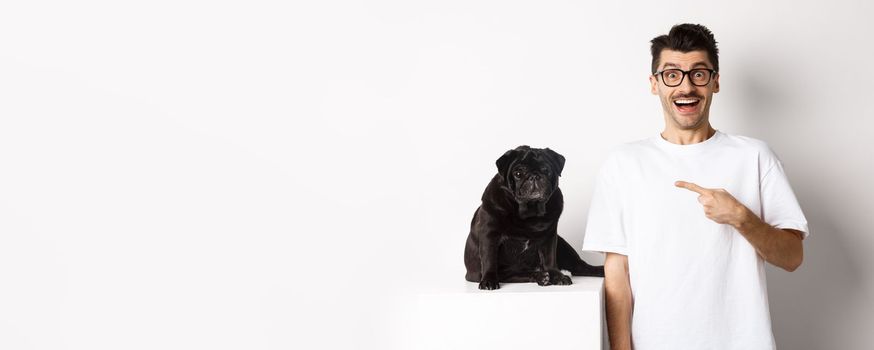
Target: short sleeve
(780, 208)
(604, 227)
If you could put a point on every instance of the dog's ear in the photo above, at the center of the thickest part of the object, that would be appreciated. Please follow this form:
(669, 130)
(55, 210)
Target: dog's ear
(504, 162)
(557, 160)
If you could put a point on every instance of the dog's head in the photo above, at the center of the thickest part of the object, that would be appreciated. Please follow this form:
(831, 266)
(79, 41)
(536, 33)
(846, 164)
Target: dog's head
(531, 175)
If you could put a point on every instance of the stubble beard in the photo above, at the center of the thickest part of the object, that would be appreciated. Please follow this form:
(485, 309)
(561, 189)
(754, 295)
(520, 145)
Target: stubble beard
(684, 123)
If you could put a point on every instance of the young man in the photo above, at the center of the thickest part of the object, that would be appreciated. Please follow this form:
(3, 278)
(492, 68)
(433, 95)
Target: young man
(687, 218)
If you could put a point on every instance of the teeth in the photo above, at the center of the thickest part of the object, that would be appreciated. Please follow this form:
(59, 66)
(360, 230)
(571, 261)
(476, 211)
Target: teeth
(684, 102)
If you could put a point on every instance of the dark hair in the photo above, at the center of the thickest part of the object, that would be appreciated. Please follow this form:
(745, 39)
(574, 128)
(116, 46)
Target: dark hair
(685, 38)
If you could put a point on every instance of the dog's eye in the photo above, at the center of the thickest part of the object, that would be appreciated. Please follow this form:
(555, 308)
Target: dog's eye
(517, 174)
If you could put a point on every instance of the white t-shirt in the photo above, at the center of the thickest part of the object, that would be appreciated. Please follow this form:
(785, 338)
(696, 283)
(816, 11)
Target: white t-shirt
(696, 284)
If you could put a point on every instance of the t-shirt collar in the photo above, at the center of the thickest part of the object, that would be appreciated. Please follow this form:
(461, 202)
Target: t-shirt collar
(694, 147)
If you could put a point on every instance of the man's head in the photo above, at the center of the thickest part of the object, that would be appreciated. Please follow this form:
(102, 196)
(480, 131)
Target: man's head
(685, 63)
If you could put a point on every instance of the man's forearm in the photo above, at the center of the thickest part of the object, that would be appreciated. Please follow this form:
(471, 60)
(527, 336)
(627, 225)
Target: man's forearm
(779, 247)
(618, 301)
(619, 319)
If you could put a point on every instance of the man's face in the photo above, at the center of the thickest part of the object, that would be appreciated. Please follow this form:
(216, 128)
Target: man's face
(686, 106)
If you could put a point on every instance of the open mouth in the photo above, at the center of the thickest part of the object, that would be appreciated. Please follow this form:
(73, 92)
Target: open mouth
(686, 105)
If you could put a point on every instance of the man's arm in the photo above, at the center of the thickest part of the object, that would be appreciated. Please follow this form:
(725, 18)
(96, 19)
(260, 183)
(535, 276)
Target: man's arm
(618, 301)
(779, 247)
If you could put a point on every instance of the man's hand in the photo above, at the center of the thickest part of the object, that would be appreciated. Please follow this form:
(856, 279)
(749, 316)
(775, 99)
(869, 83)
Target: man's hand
(780, 247)
(719, 205)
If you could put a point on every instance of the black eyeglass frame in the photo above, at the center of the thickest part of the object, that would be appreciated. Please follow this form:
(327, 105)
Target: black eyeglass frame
(661, 74)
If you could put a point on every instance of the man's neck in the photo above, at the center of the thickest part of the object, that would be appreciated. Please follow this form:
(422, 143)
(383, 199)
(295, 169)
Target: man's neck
(688, 137)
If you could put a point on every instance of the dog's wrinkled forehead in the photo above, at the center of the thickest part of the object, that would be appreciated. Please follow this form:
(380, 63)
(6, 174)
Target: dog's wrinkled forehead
(533, 159)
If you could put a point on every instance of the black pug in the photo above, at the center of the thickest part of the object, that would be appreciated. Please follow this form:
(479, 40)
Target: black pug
(513, 235)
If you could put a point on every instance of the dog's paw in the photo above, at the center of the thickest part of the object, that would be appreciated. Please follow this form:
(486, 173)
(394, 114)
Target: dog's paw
(562, 280)
(489, 285)
(542, 278)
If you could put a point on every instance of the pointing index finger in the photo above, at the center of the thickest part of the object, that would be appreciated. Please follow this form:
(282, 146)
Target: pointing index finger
(691, 187)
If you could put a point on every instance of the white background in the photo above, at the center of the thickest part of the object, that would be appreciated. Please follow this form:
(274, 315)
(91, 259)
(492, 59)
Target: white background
(272, 175)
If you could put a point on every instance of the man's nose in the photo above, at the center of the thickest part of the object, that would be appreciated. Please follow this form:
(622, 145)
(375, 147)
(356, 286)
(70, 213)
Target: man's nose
(686, 85)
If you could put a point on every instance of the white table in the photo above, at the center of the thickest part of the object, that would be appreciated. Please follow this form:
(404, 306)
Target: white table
(459, 316)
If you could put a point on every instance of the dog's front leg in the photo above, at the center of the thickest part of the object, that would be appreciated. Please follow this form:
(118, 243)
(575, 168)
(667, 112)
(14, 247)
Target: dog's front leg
(550, 272)
(489, 258)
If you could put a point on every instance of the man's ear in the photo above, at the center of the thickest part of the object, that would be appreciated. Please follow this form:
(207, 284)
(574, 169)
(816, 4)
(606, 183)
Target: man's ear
(556, 160)
(716, 84)
(504, 162)
(653, 84)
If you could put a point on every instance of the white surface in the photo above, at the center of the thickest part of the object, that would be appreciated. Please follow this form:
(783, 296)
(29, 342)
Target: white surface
(194, 174)
(516, 316)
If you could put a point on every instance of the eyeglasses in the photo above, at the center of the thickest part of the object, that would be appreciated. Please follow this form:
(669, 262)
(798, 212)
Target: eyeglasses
(674, 77)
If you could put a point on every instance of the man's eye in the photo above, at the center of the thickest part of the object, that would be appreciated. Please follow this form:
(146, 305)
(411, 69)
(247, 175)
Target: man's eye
(699, 75)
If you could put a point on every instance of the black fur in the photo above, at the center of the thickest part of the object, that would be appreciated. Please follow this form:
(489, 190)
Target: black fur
(513, 236)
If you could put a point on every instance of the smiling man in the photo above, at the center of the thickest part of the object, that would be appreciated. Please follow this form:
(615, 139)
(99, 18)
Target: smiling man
(689, 217)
